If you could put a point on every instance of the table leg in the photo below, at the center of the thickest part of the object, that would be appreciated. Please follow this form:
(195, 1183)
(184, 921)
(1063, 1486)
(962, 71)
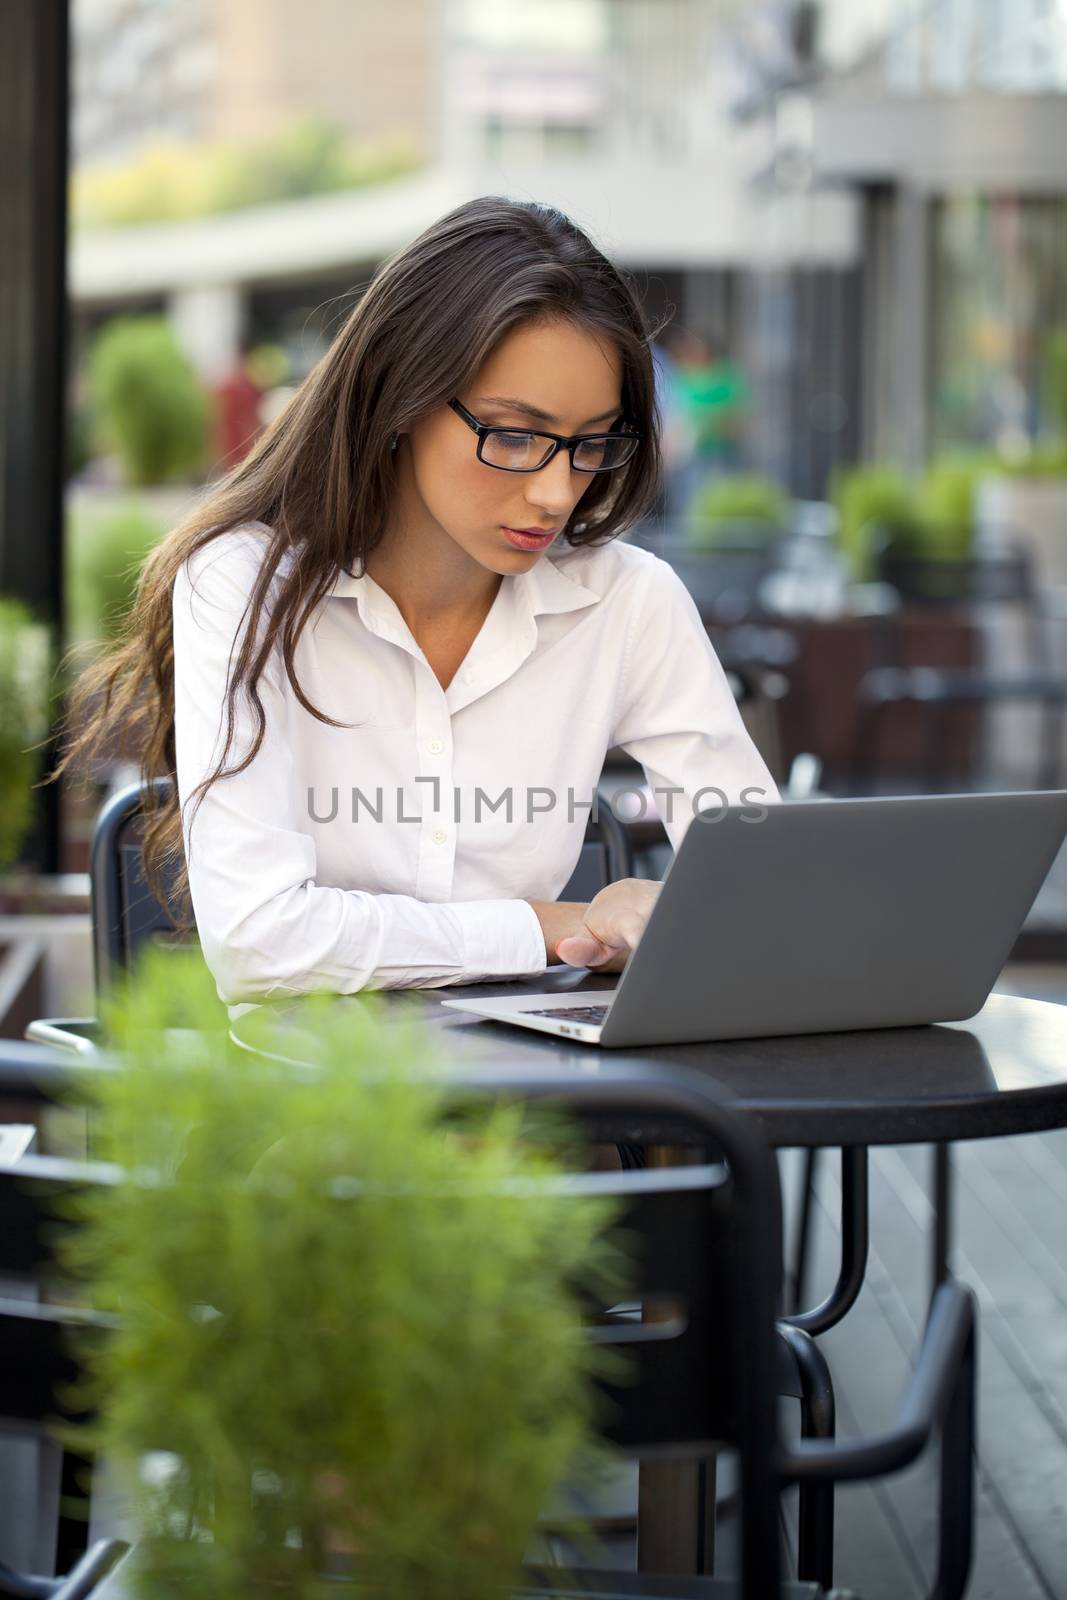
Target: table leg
(942, 1184)
(796, 1286)
(854, 1246)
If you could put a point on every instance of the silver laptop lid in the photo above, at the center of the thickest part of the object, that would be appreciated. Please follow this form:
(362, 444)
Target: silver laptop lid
(837, 914)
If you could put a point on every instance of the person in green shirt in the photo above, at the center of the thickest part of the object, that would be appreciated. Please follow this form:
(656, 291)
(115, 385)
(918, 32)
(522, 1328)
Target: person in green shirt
(715, 394)
(711, 395)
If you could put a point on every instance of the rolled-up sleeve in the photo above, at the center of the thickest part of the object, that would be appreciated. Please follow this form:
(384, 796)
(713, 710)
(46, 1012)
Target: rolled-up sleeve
(266, 926)
(676, 713)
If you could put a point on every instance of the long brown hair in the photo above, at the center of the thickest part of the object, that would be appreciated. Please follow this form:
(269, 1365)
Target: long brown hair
(322, 476)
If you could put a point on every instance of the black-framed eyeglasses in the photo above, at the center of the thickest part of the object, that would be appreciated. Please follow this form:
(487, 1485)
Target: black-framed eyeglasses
(517, 450)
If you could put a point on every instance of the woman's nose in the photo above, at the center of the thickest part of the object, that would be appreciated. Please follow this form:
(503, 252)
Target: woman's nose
(553, 487)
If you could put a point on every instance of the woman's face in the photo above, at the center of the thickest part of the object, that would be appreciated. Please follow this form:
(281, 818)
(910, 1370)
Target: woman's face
(575, 379)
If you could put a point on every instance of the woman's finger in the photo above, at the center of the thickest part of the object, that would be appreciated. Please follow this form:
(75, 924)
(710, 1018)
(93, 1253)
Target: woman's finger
(582, 950)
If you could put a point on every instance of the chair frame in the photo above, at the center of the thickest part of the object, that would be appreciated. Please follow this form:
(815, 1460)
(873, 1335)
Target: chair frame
(684, 1396)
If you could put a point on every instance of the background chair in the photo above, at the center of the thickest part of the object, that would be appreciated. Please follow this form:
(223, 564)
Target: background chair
(990, 584)
(703, 1359)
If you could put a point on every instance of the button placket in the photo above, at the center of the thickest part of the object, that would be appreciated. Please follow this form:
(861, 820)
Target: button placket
(433, 757)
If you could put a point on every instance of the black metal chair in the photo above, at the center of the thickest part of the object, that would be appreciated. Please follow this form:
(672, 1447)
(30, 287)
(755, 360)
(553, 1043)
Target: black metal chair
(606, 856)
(32, 1073)
(1001, 579)
(703, 1360)
(84, 1578)
(126, 915)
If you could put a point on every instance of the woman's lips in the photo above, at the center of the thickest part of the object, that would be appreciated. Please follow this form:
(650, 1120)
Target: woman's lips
(527, 541)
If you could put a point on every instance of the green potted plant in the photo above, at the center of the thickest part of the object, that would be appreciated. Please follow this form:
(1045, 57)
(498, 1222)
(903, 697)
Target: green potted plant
(876, 510)
(26, 707)
(738, 510)
(106, 548)
(349, 1320)
(25, 678)
(147, 401)
(930, 559)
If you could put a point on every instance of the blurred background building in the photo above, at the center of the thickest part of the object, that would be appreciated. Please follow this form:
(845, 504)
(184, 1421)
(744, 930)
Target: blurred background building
(846, 221)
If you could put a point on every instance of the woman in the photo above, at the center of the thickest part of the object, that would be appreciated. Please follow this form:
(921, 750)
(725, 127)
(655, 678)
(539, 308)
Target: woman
(386, 656)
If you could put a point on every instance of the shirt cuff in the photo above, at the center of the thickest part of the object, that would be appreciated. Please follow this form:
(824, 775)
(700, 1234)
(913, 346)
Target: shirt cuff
(501, 939)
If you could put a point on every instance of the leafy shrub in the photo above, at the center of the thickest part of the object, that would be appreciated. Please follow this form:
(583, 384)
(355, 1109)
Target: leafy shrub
(340, 1317)
(25, 674)
(1046, 461)
(172, 180)
(734, 505)
(872, 502)
(147, 400)
(104, 558)
(1054, 377)
(945, 502)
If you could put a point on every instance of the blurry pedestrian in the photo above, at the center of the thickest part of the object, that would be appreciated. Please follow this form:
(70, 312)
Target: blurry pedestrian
(238, 422)
(677, 440)
(714, 394)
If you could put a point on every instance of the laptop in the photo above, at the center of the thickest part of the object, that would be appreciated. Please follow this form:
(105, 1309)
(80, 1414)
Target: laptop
(821, 916)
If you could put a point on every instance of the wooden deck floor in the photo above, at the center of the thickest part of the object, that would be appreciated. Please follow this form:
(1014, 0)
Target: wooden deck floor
(1010, 1233)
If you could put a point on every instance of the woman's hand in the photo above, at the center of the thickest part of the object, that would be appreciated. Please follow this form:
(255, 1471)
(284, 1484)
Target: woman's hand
(612, 926)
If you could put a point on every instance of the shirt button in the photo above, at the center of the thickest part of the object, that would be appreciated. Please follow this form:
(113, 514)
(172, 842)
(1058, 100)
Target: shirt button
(435, 746)
(440, 837)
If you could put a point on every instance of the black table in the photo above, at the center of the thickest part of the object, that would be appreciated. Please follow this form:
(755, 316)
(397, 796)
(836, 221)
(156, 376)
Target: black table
(1003, 1071)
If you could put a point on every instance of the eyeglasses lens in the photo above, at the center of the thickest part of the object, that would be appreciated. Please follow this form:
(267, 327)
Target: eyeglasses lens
(525, 452)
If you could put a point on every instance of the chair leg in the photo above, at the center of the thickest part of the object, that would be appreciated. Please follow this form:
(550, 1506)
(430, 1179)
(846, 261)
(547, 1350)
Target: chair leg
(72, 1533)
(815, 1545)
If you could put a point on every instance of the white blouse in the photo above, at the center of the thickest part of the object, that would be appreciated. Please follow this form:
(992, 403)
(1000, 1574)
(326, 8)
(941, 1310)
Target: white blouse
(401, 850)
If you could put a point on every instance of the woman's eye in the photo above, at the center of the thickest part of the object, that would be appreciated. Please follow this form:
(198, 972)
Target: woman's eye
(514, 441)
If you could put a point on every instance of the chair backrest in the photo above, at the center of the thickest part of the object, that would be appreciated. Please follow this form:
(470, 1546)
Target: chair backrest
(606, 856)
(126, 914)
(996, 577)
(703, 1355)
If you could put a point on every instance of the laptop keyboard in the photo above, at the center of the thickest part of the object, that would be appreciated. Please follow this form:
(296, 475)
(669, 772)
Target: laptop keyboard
(576, 1013)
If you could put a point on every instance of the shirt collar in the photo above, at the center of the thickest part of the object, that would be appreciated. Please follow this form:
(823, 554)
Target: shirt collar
(508, 635)
(544, 588)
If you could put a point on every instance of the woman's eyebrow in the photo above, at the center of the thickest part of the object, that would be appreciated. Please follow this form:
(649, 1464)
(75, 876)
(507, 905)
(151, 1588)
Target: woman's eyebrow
(510, 404)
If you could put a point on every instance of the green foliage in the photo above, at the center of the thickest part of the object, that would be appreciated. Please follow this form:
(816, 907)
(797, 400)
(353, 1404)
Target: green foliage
(25, 713)
(945, 503)
(343, 1319)
(1054, 377)
(173, 180)
(873, 501)
(1046, 461)
(147, 400)
(104, 558)
(739, 504)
